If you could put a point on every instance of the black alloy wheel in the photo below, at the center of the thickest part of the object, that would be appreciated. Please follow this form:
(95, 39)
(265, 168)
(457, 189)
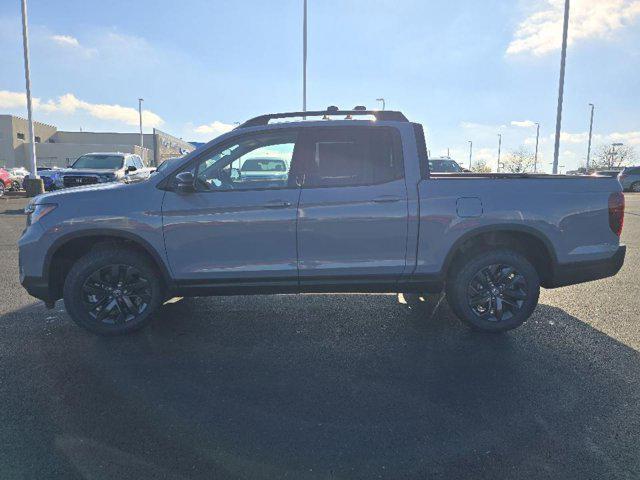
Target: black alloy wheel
(116, 294)
(497, 292)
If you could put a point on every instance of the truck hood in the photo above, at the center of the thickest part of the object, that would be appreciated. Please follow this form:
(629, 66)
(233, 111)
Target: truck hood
(85, 171)
(68, 194)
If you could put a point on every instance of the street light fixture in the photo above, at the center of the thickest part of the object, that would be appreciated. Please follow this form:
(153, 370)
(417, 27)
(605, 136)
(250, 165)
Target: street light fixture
(33, 184)
(304, 57)
(590, 135)
(613, 152)
(383, 102)
(563, 58)
(535, 161)
(140, 100)
(499, 148)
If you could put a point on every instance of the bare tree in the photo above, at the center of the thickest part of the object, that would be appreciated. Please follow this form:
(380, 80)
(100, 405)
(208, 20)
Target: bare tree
(520, 161)
(608, 156)
(481, 167)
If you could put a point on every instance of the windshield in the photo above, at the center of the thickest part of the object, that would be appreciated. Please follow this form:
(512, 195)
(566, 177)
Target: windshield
(99, 162)
(263, 165)
(444, 166)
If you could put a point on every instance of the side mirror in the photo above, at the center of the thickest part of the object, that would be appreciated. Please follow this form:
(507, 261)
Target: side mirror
(131, 168)
(184, 182)
(235, 173)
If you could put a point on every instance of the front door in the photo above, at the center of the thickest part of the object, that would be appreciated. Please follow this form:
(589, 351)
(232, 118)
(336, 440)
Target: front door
(239, 225)
(352, 219)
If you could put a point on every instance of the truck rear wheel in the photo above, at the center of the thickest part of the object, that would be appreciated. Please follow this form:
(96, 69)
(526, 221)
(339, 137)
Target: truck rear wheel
(112, 291)
(493, 291)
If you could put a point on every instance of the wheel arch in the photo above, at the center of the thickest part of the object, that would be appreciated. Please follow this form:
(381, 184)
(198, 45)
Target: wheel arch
(69, 248)
(518, 237)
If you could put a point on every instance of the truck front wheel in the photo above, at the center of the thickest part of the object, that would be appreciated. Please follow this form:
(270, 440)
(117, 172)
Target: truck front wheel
(112, 291)
(493, 291)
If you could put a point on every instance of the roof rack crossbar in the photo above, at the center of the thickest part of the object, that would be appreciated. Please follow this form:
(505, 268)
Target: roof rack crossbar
(380, 115)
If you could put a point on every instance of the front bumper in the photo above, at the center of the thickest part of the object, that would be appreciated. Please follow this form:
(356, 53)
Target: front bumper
(579, 272)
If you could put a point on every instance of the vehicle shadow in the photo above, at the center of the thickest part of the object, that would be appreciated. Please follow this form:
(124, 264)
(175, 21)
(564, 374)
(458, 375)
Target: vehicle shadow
(317, 386)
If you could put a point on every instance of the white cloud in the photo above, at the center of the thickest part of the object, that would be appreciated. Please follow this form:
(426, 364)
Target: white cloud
(66, 40)
(523, 124)
(573, 137)
(69, 104)
(12, 99)
(214, 129)
(631, 138)
(541, 32)
(72, 44)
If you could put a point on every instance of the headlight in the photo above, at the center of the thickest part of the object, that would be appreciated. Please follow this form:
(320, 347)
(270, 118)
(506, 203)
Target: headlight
(36, 212)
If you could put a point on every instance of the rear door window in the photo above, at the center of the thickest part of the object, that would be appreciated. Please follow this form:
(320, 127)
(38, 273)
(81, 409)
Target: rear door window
(351, 156)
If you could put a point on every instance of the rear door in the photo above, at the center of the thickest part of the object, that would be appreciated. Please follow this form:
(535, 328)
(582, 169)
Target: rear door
(352, 216)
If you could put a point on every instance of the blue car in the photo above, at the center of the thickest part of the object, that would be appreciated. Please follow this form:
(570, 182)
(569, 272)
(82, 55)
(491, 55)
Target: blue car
(49, 177)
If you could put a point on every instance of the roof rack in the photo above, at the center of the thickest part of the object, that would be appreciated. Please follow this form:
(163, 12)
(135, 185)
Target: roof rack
(380, 115)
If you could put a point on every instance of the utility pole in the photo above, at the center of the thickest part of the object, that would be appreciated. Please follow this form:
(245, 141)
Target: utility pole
(563, 58)
(140, 100)
(383, 103)
(590, 135)
(535, 162)
(34, 184)
(470, 152)
(304, 57)
(499, 148)
(448, 153)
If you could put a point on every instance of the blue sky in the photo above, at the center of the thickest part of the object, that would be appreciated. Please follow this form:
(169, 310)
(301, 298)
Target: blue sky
(465, 69)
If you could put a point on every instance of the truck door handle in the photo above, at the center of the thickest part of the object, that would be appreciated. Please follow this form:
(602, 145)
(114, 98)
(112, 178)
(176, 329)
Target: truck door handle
(277, 204)
(387, 199)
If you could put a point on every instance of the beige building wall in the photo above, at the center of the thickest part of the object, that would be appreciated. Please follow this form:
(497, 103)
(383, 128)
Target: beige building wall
(64, 154)
(59, 148)
(14, 135)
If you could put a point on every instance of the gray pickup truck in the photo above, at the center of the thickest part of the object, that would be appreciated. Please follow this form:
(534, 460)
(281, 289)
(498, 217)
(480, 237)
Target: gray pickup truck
(356, 211)
(92, 168)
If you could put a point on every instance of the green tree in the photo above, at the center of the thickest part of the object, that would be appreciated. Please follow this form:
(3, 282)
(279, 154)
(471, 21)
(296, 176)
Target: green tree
(521, 160)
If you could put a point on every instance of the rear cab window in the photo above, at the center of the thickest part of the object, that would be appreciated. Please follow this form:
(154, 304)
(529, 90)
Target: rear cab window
(350, 156)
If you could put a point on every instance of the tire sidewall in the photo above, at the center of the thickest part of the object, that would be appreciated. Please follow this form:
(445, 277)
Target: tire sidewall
(93, 261)
(635, 187)
(461, 276)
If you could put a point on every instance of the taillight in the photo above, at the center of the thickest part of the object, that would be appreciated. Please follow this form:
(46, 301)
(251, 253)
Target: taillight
(616, 212)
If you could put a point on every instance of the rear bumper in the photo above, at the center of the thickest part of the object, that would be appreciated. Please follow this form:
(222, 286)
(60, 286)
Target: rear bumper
(579, 272)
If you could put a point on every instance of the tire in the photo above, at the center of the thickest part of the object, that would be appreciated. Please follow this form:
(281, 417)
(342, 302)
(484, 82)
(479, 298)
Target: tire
(112, 291)
(1, 189)
(635, 187)
(493, 291)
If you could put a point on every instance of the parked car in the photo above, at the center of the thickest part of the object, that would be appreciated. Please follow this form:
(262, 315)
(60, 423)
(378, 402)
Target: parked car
(606, 173)
(92, 168)
(49, 176)
(360, 211)
(264, 171)
(17, 177)
(445, 165)
(5, 181)
(629, 178)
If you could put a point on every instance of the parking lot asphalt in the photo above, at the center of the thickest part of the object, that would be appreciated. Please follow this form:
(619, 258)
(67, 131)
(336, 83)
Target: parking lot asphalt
(323, 387)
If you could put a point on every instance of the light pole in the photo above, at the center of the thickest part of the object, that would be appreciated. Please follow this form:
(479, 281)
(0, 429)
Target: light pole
(470, 152)
(499, 148)
(535, 161)
(613, 152)
(304, 57)
(140, 100)
(563, 58)
(34, 184)
(590, 135)
(383, 102)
